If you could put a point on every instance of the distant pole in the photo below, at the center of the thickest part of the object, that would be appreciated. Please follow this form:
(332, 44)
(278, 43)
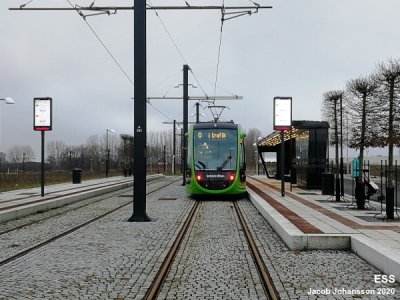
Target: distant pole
(182, 139)
(107, 154)
(341, 148)
(185, 119)
(70, 160)
(140, 80)
(282, 163)
(197, 113)
(165, 159)
(42, 168)
(174, 147)
(337, 180)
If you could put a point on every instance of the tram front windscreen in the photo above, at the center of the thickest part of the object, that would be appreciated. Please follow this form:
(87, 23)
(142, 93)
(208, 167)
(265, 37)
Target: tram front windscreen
(215, 149)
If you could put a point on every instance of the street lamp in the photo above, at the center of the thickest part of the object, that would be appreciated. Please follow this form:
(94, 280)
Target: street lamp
(108, 151)
(257, 154)
(337, 96)
(8, 100)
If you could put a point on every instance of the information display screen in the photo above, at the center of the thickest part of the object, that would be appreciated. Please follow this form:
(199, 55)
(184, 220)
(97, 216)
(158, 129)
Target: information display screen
(282, 113)
(42, 114)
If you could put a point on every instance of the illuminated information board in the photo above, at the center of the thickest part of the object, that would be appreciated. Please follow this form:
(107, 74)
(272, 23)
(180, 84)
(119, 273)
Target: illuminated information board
(42, 114)
(212, 135)
(282, 113)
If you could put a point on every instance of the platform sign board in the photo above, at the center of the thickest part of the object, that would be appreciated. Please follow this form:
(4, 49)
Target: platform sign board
(282, 113)
(42, 114)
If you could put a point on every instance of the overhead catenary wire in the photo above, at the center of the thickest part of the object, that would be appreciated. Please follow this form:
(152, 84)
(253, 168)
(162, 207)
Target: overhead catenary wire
(103, 44)
(177, 48)
(113, 57)
(219, 47)
(168, 33)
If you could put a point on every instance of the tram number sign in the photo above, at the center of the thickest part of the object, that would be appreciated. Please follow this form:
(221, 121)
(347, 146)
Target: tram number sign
(42, 114)
(282, 113)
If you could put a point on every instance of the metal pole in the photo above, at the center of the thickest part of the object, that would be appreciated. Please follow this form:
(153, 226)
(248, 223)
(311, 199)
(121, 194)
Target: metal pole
(341, 149)
(337, 183)
(282, 164)
(107, 154)
(140, 80)
(174, 148)
(185, 119)
(0, 174)
(197, 113)
(42, 168)
(70, 160)
(165, 159)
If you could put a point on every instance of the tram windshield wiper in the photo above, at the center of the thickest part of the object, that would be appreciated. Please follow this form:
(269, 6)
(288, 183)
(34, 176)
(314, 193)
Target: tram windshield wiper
(224, 163)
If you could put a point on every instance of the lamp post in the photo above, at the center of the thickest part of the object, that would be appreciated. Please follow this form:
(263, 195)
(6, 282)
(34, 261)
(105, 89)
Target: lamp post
(341, 147)
(108, 151)
(337, 180)
(7, 100)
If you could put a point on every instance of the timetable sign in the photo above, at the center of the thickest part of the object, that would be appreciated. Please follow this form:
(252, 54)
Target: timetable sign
(282, 113)
(42, 114)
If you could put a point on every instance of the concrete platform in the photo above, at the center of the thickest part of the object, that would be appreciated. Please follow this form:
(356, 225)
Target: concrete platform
(20, 203)
(307, 220)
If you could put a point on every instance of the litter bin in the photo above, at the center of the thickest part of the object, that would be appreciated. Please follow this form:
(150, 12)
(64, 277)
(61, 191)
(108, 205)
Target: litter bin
(328, 184)
(76, 176)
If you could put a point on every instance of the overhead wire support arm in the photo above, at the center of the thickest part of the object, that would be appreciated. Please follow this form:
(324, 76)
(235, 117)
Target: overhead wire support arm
(199, 98)
(116, 8)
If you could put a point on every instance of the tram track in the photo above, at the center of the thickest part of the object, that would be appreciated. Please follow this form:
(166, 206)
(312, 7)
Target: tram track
(87, 202)
(265, 278)
(73, 229)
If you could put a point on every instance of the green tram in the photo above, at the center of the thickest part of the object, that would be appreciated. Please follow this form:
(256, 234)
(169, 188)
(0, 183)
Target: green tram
(216, 159)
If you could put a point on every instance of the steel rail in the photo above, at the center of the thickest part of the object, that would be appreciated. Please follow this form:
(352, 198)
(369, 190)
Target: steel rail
(69, 231)
(266, 280)
(166, 264)
(64, 212)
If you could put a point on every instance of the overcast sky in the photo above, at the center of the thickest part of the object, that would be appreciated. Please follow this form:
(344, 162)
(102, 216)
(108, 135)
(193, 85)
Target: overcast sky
(299, 48)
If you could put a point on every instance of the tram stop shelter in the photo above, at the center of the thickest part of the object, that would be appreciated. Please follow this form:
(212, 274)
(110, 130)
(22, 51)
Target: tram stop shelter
(306, 153)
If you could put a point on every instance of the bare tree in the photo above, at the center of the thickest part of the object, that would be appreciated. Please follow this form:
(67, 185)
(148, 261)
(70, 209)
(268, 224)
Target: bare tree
(329, 108)
(331, 112)
(363, 108)
(21, 154)
(27, 153)
(55, 150)
(388, 75)
(94, 151)
(251, 139)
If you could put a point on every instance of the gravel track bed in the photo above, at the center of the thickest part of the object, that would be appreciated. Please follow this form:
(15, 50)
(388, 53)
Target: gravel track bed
(296, 272)
(51, 223)
(109, 259)
(214, 261)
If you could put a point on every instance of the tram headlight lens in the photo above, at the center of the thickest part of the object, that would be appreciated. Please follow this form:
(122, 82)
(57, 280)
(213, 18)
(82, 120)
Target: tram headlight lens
(231, 177)
(198, 177)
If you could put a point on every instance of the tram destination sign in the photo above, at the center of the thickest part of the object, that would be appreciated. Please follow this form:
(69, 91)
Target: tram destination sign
(282, 113)
(42, 114)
